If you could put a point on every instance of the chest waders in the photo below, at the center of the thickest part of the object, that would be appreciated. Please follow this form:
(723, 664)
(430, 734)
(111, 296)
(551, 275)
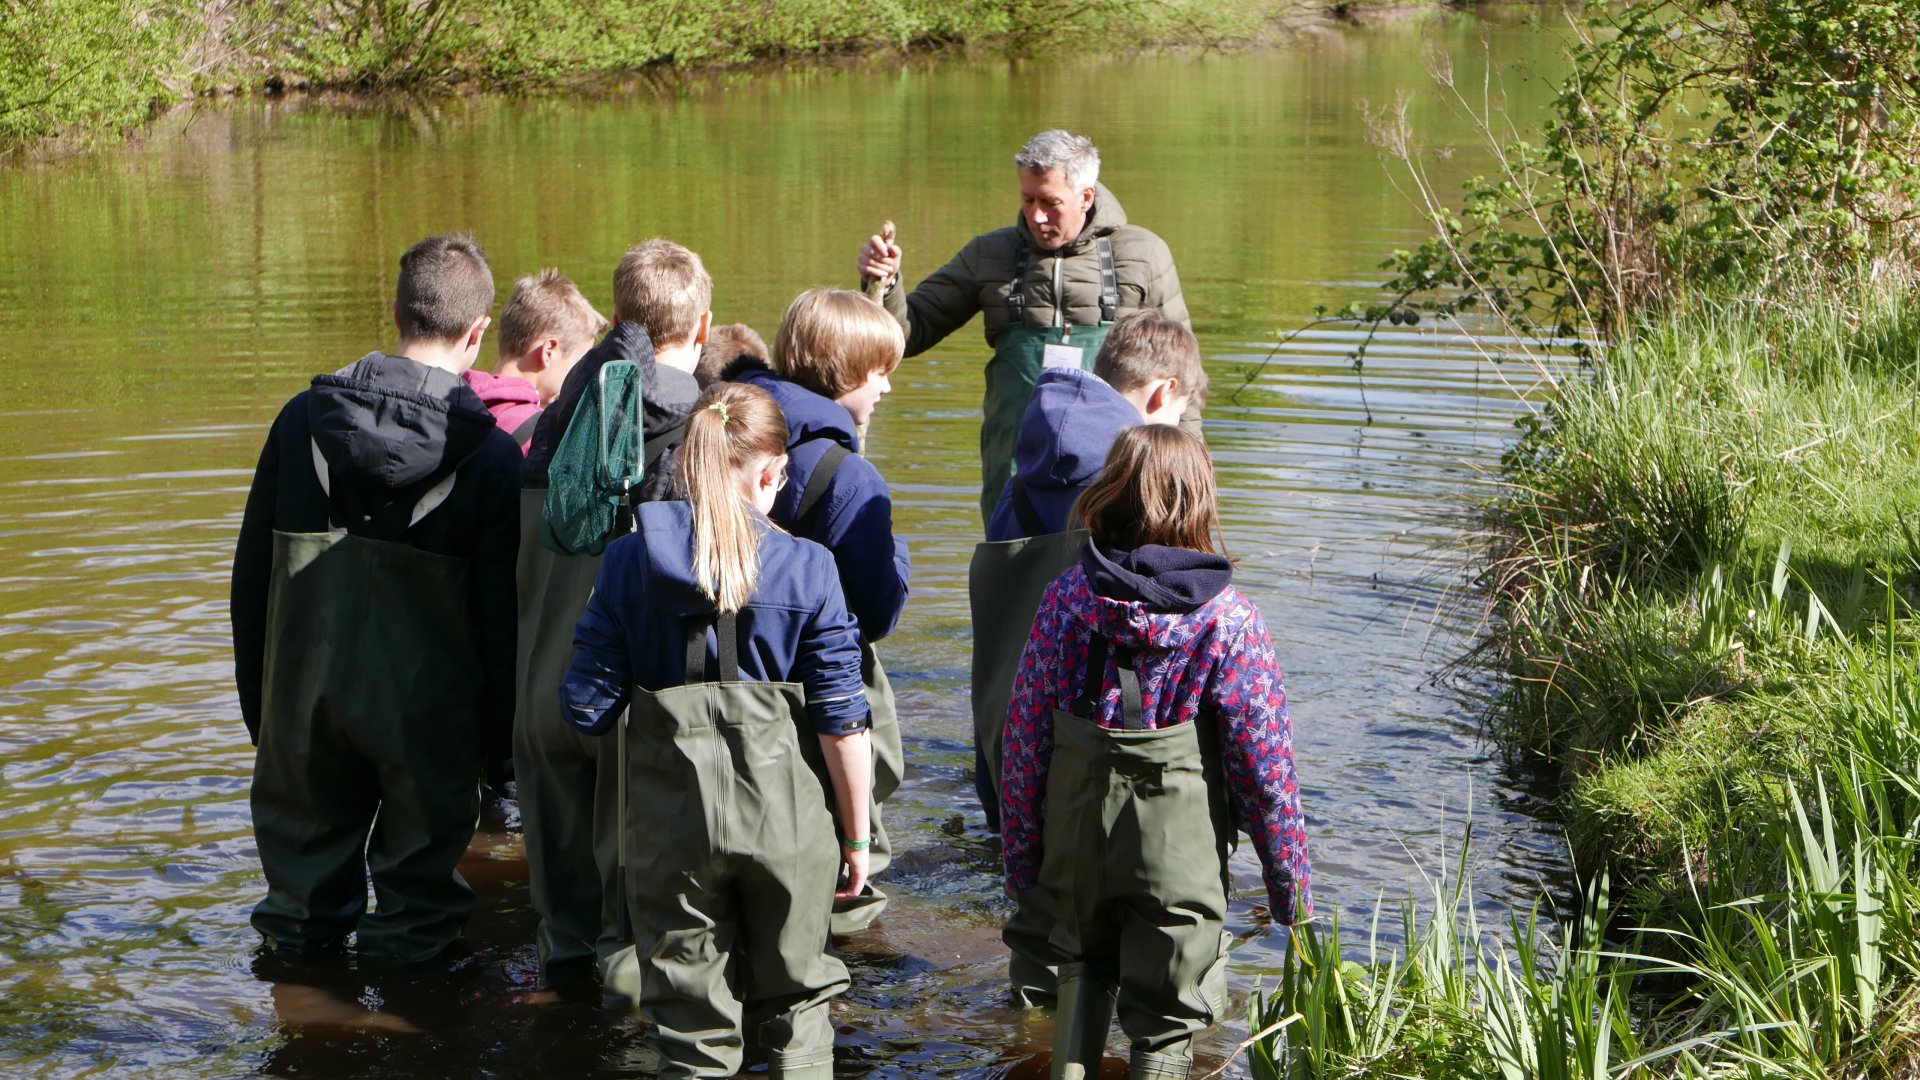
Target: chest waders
(371, 745)
(1135, 851)
(731, 861)
(889, 753)
(569, 781)
(1004, 584)
(566, 779)
(1019, 357)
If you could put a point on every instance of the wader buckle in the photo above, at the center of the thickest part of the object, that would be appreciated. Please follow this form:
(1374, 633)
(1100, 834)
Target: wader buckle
(1146, 778)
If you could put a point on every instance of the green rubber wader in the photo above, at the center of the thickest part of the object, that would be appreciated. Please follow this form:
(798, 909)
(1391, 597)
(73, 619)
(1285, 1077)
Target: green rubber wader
(731, 862)
(1004, 585)
(372, 741)
(1016, 363)
(1135, 843)
(889, 768)
(567, 779)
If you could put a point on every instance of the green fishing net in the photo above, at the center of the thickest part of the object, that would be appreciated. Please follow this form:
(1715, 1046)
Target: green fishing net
(597, 461)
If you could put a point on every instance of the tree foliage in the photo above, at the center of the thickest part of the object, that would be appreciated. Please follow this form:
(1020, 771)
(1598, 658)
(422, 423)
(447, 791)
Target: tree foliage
(90, 65)
(1693, 144)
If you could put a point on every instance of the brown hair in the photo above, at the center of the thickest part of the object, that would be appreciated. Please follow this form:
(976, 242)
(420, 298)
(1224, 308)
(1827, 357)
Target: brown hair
(832, 340)
(1147, 345)
(732, 426)
(726, 345)
(1155, 488)
(547, 304)
(445, 286)
(664, 288)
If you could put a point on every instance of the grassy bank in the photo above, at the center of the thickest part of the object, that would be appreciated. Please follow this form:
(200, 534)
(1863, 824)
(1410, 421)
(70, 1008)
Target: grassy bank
(1704, 569)
(94, 68)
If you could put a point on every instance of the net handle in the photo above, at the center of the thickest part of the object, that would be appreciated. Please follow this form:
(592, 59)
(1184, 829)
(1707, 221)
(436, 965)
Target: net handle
(626, 484)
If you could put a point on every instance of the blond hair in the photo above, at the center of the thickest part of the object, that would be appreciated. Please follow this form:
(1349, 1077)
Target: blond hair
(732, 427)
(1155, 488)
(832, 340)
(664, 288)
(1147, 345)
(547, 304)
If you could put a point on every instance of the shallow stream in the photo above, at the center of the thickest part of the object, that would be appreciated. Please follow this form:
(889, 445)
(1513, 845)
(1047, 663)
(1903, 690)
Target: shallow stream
(160, 301)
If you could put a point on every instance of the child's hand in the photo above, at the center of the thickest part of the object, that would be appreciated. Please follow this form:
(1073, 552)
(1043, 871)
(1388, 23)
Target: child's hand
(880, 259)
(856, 866)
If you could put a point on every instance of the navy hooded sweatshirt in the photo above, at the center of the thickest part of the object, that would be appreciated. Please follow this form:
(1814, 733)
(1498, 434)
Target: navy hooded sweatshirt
(388, 428)
(794, 628)
(1070, 424)
(854, 519)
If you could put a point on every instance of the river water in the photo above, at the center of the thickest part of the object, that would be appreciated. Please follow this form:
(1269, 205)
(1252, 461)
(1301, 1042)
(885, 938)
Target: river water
(160, 301)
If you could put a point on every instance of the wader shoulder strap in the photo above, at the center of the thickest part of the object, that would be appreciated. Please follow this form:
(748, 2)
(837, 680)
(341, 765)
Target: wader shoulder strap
(651, 450)
(1017, 295)
(1133, 715)
(1109, 281)
(726, 642)
(524, 433)
(817, 483)
(1109, 284)
(1023, 510)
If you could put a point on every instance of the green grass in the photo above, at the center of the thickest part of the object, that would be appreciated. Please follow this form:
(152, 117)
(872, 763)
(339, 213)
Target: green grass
(1704, 569)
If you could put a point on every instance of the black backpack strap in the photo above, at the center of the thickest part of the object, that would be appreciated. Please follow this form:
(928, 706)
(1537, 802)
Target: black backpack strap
(524, 433)
(1109, 281)
(818, 483)
(726, 643)
(1023, 510)
(653, 448)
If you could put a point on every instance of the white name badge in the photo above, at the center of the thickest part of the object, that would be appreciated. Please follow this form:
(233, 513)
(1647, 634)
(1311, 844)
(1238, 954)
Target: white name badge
(1061, 356)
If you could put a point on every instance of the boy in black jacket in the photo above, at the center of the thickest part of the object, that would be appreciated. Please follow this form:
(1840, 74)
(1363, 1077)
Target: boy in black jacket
(373, 640)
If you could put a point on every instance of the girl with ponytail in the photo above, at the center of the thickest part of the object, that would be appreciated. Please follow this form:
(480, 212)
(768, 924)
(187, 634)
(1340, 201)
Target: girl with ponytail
(720, 636)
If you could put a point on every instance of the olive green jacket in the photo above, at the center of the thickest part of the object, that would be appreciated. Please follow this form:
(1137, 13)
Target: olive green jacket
(980, 278)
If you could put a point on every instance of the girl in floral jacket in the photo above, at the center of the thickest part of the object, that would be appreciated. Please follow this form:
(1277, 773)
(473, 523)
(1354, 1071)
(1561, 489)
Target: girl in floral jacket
(1147, 722)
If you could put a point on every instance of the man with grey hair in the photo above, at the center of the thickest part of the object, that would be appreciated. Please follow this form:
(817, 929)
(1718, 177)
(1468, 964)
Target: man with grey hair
(1049, 286)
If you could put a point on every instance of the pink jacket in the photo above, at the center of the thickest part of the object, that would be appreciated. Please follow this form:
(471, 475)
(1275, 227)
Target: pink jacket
(512, 400)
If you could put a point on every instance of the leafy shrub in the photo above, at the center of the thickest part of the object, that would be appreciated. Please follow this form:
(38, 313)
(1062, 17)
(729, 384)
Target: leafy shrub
(1693, 144)
(94, 66)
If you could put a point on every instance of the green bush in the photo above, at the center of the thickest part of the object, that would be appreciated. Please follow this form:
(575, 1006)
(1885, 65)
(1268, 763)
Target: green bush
(87, 66)
(1742, 142)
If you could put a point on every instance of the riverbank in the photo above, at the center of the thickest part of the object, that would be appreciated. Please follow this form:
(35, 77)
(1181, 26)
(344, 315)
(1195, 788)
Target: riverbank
(85, 70)
(1704, 569)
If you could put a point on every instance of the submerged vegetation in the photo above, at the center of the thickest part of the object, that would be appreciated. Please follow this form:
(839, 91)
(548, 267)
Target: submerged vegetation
(1702, 567)
(99, 67)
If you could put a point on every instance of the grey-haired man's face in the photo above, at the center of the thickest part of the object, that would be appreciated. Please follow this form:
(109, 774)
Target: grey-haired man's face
(1054, 210)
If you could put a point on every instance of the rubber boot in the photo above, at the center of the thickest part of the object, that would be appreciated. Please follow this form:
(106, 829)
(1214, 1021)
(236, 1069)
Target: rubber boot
(1080, 1027)
(1161, 1065)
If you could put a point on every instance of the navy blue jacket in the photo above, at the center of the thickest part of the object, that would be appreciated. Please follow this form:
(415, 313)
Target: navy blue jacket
(1070, 424)
(854, 519)
(795, 628)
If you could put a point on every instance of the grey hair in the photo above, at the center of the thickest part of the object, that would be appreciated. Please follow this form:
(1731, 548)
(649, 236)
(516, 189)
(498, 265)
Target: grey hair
(1072, 154)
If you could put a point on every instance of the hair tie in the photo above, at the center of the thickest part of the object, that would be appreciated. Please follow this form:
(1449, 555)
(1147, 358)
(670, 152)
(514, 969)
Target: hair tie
(721, 408)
